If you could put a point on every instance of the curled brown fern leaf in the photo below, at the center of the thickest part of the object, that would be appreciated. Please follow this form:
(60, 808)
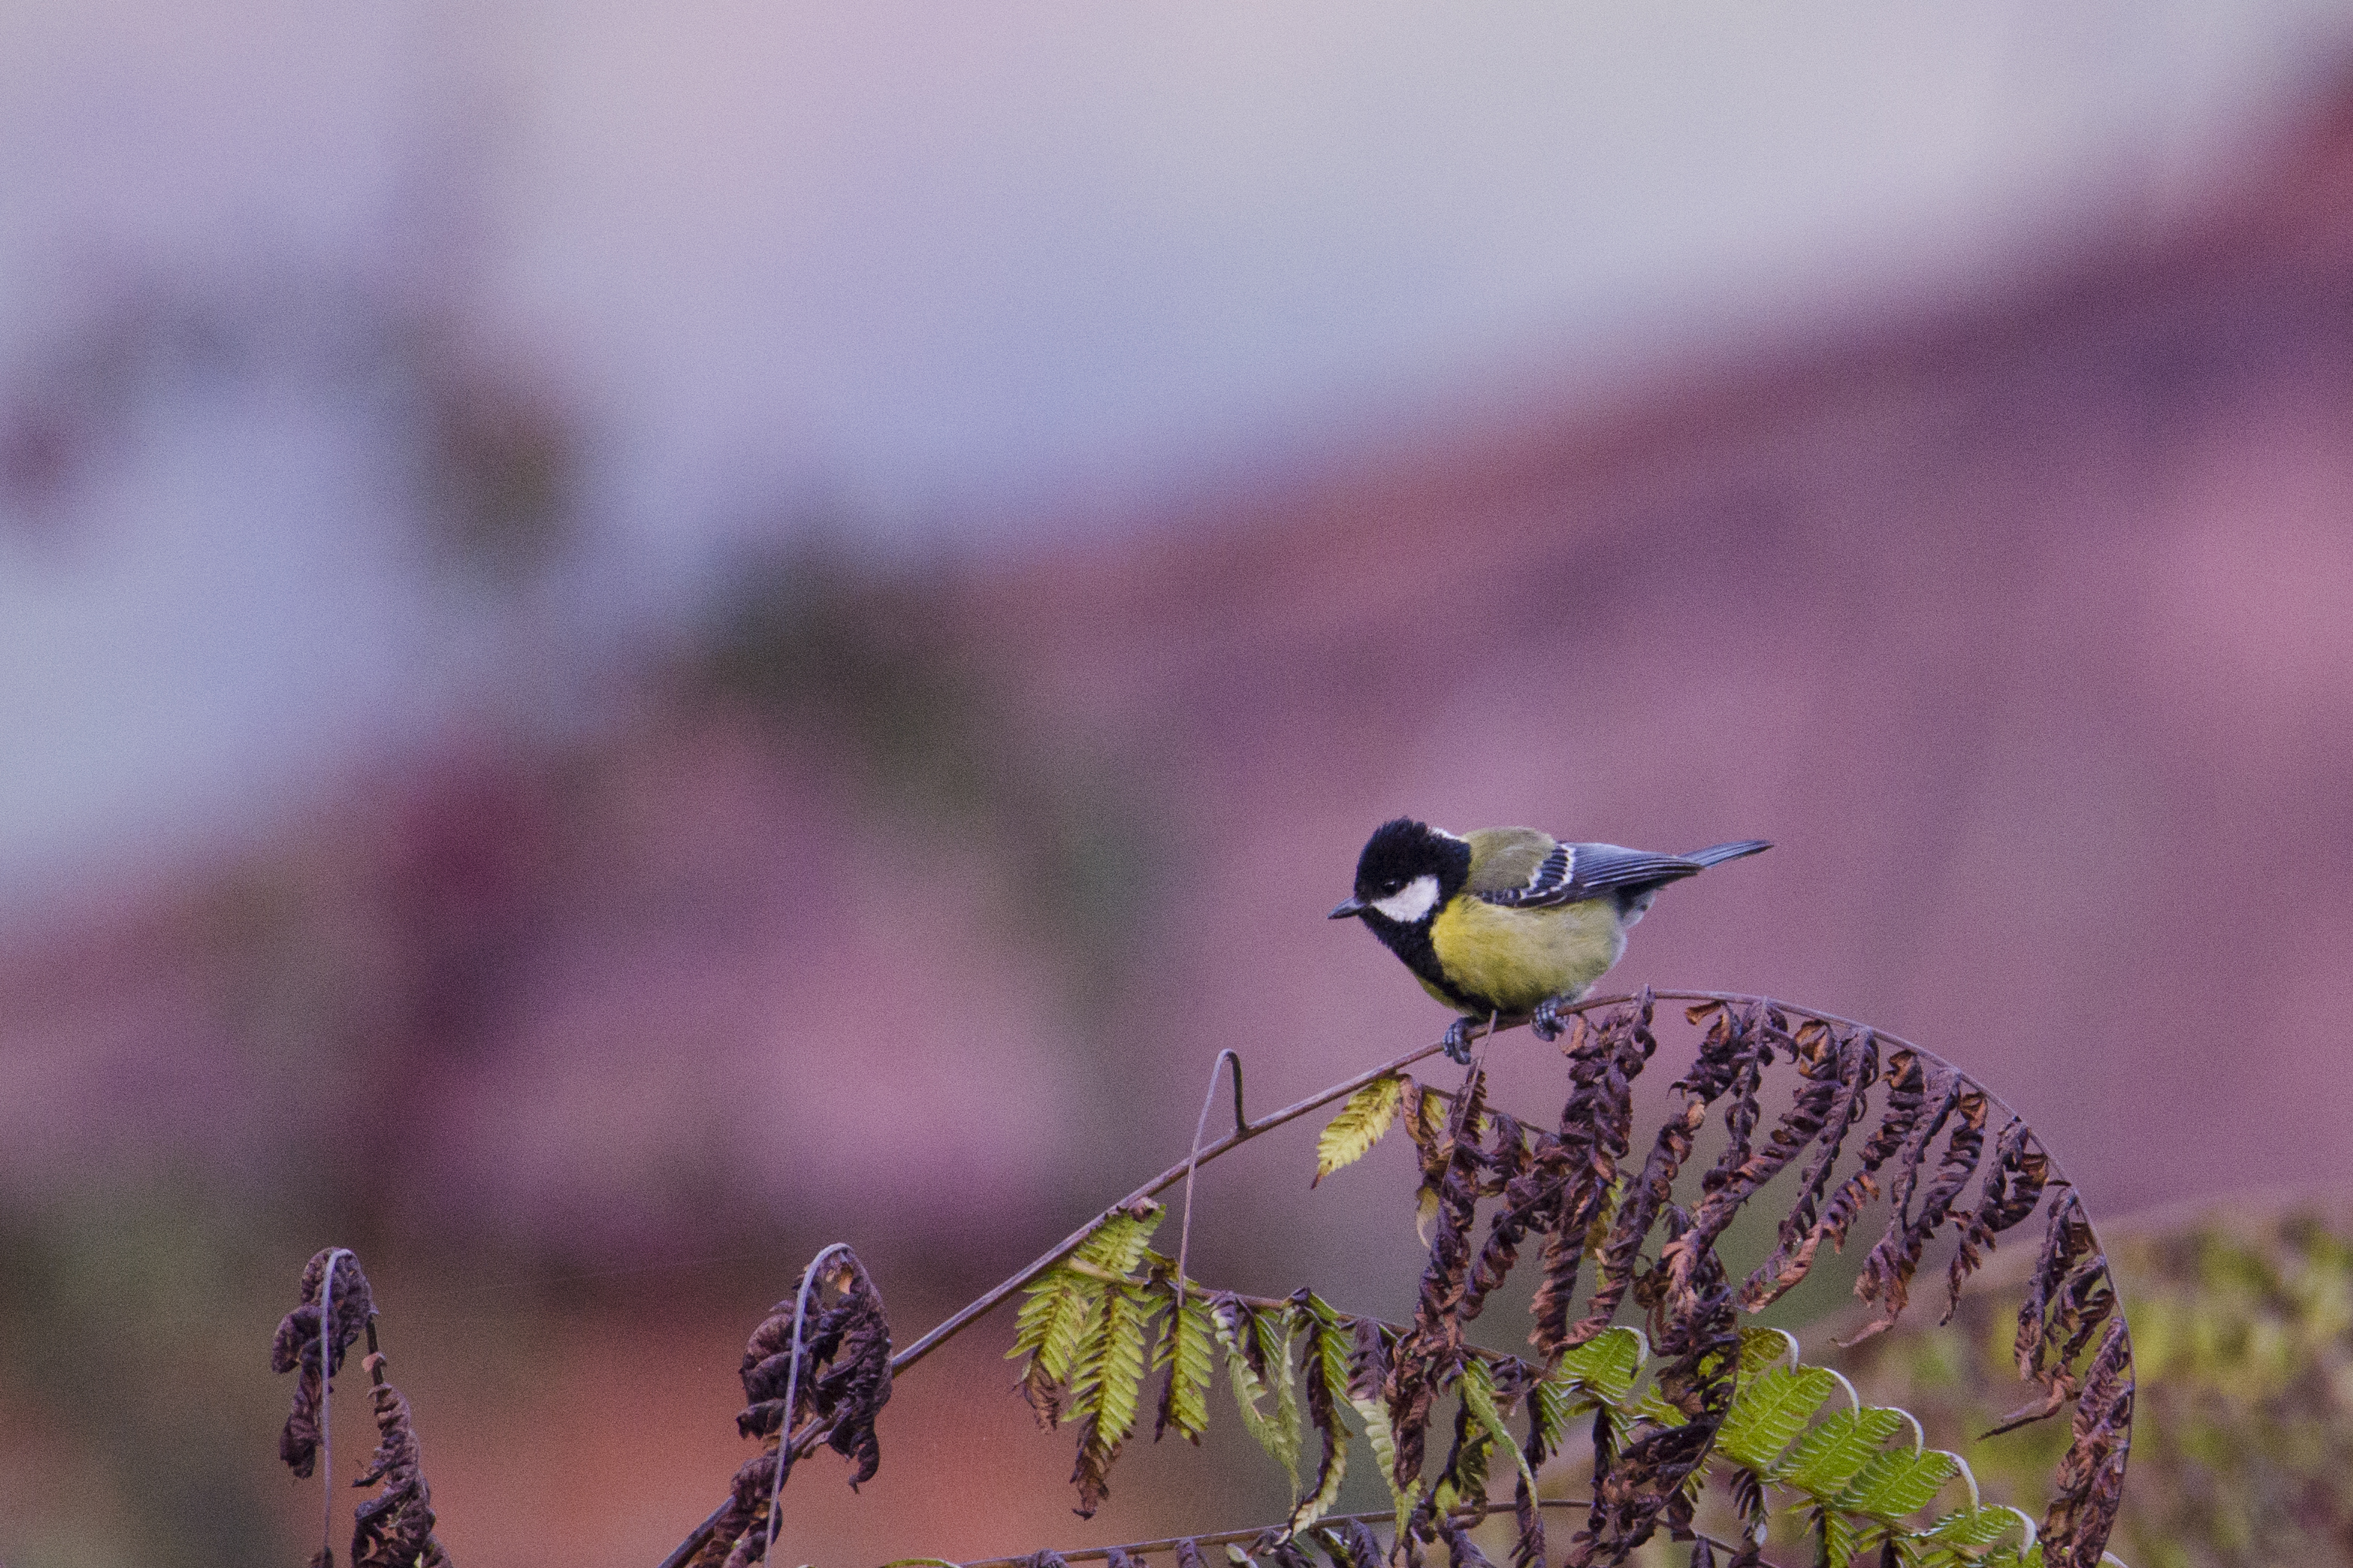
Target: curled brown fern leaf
(394, 1528)
(299, 1347)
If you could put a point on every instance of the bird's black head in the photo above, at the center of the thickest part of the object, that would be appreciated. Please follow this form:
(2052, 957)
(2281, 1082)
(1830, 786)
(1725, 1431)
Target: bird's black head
(1407, 871)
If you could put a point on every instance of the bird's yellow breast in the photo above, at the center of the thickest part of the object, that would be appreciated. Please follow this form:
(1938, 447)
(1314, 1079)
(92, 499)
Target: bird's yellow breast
(1514, 958)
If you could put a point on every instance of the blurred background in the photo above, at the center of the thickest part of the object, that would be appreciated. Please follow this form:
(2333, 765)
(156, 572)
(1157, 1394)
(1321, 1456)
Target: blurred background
(633, 639)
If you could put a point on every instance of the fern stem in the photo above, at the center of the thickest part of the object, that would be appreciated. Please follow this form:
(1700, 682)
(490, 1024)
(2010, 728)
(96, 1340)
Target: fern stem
(1193, 1157)
(1470, 1514)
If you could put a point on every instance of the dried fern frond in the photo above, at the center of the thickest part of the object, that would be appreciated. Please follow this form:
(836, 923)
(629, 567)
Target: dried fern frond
(299, 1344)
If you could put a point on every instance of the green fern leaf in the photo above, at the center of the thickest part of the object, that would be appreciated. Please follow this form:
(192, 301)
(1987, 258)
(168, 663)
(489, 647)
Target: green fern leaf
(1127, 1346)
(1893, 1483)
(1277, 1429)
(1770, 1412)
(1374, 1414)
(1764, 1349)
(1604, 1366)
(1063, 1313)
(1185, 1352)
(1601, 1371)
(1273, 1330)
(1477, 1388)
(1834, 1452)
(1118, 1244)
(1053, 1330)
(1319, 1502)
(1836, 1537)
(1105, 1392)
(1348, 1136)
(1328, 1344)
(1330, 1341)
(1974, 1528)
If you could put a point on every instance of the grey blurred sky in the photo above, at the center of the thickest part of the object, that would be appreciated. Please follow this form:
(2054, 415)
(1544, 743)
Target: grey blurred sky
(952, 268)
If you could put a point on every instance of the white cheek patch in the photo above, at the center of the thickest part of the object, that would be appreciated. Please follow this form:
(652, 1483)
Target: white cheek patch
(1410, 902)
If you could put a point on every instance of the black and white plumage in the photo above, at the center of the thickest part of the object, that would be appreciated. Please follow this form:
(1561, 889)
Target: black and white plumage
(1570, 873)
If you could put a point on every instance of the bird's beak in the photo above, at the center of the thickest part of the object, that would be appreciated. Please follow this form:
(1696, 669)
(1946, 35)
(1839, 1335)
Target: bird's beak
(1344, 910)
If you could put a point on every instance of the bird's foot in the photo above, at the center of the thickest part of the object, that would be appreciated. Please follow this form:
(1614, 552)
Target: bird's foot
(1457, 1041)
(1546, 1019)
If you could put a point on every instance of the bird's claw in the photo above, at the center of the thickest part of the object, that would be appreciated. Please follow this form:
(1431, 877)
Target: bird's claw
(1544, 1021)
(1457, 1041)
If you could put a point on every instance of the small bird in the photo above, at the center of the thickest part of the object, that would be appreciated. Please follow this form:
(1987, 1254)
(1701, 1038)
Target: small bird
(1507, 919)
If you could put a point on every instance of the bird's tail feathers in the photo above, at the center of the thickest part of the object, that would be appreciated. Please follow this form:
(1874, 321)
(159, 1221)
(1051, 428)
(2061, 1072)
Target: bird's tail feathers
(1717, 854)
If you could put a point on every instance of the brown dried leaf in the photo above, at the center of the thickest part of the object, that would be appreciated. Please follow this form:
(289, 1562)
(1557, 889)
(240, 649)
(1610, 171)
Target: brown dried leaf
(1596, 1131)
(2013, 1184)
(2090, 1487)
(1850, 1062)
(394, 1528)
(845, 1368)
(1906, 1099)
(1724, 1055)
(1427, 1359)
(1637, 1482)
(1887, 1273)
(297, 1345)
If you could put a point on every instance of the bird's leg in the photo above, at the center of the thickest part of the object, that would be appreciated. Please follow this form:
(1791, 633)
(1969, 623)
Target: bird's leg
(1546, 1019)
(1457, 1041)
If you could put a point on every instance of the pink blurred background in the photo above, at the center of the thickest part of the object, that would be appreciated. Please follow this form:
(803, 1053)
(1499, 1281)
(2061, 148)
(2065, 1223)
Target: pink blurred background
(632, 641)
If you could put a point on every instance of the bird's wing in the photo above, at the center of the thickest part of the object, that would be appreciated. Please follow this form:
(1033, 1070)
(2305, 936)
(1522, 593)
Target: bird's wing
(1572, 873)
(1505, 858)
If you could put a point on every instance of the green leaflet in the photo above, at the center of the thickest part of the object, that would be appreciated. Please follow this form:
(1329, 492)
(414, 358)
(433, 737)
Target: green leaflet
(1761, 1349)
(1318, 1503)
(1837, 1537)
(1054, 1321)
(1601, 1371)
(1895, 1482)
(1349, 1135)
(1109, 1376)
(1106, 1389)
(1118, 1244)
(1770, 1412)
(1374, 1414)
(1478, 1391)
(1832, 1454)
(1185, 1348)
(1974, 1528)
(1603, 1367)
(1277, 1430)
(1330, 1342)
(1328, 1346)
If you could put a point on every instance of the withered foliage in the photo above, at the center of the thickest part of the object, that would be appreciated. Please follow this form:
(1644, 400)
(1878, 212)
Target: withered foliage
(1597, 1128)
(298, 1346)
(1641, 1480)
(394, 1528)
(1106, 1311)
(1927, 1146)
(844, 1376)
(1430, 1354)
(837, 1388)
